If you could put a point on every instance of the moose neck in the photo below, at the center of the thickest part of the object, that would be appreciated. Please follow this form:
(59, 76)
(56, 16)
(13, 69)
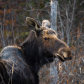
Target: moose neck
(31, 55)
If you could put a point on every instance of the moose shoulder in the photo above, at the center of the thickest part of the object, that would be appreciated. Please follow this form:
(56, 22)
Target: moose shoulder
(20, 64)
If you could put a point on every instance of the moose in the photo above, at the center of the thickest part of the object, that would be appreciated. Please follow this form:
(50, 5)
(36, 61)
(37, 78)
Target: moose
(20, 64)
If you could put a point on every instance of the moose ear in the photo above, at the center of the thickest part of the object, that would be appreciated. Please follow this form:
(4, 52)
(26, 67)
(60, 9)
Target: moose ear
(32, 24)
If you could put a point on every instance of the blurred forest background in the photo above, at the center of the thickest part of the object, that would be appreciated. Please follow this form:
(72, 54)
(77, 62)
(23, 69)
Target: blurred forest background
(70, 28)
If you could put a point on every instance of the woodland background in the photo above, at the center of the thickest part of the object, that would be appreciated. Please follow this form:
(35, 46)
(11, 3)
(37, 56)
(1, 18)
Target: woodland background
(70, 28)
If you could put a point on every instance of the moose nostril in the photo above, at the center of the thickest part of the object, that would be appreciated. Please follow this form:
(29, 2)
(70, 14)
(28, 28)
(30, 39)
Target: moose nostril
(64, 54)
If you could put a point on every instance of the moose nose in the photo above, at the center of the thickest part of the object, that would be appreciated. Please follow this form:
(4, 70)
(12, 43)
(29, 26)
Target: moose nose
(66, 53)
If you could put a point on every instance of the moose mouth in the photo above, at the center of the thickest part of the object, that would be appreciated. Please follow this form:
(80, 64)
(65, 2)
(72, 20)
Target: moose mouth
(63, 56)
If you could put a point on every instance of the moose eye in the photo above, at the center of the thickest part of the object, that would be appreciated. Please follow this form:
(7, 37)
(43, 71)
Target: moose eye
(46, 38)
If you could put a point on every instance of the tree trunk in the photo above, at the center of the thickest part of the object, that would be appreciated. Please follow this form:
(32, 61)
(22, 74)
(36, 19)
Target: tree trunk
(53, 67)
(54, 14)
